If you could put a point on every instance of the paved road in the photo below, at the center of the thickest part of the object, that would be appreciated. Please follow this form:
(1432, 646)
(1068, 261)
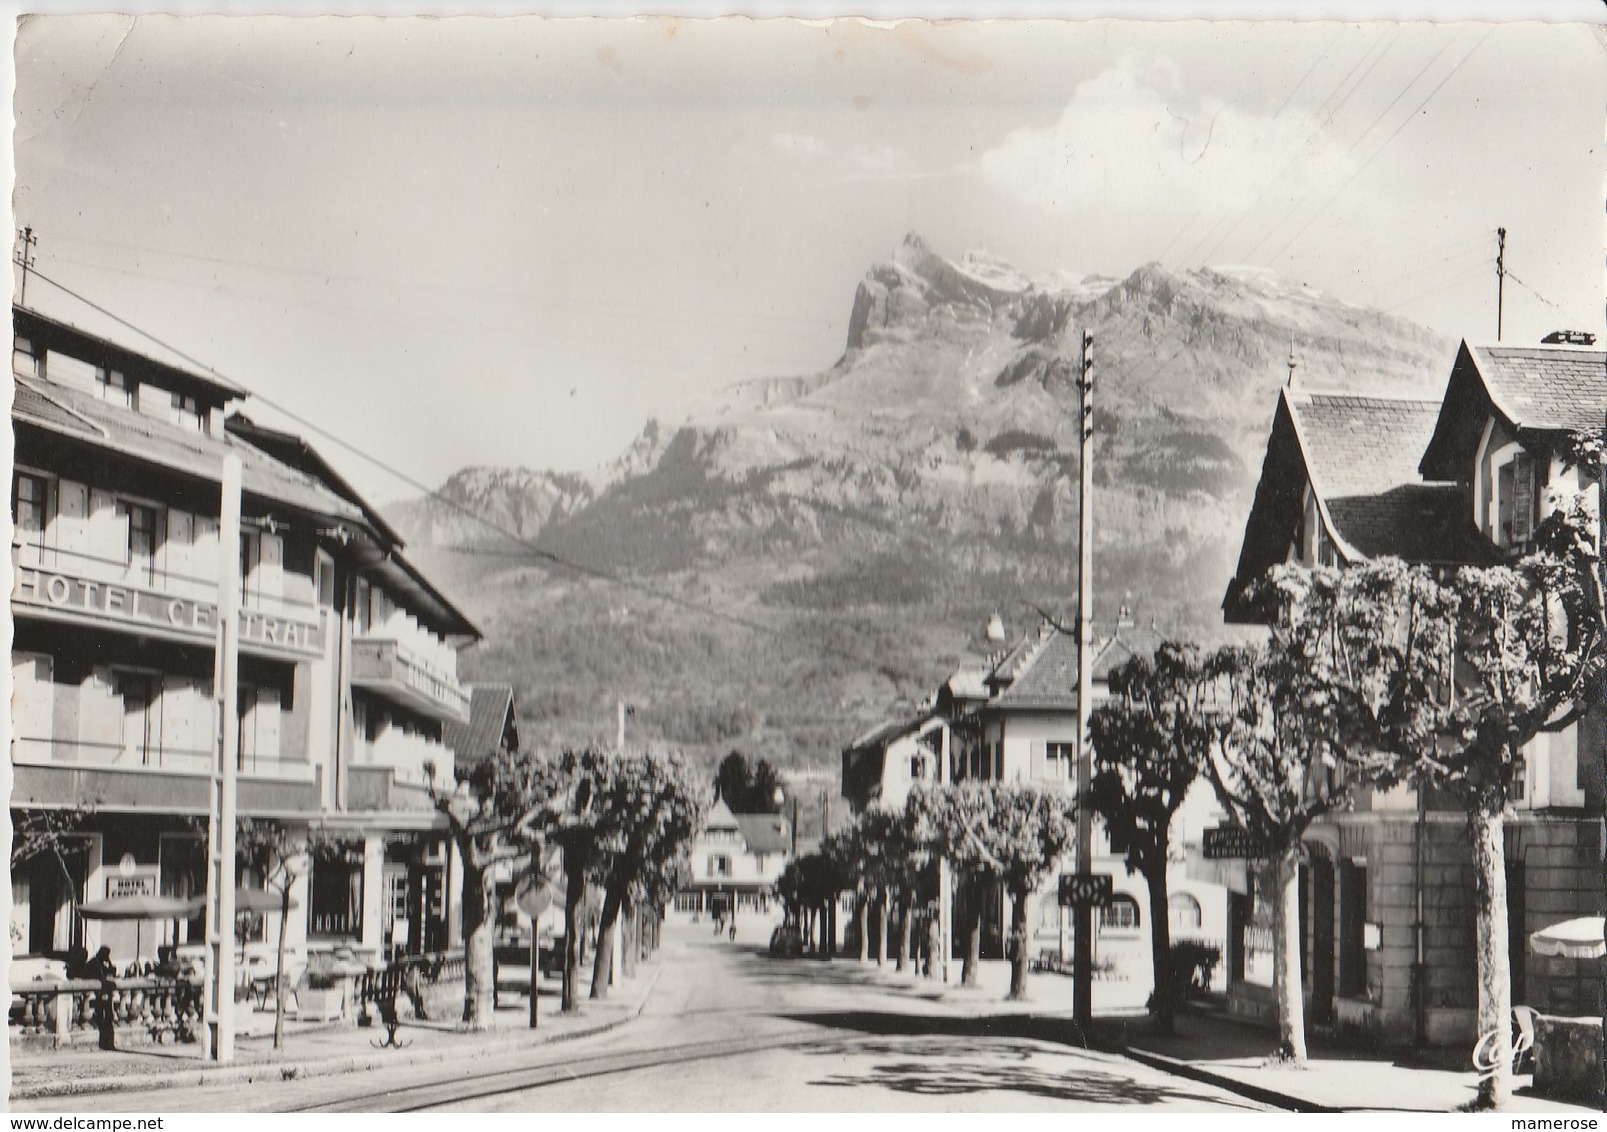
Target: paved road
(727, 1028)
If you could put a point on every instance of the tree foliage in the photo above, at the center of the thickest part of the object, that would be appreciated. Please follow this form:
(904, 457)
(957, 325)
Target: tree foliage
(1150, 742)
(748, 788)
(495, 814)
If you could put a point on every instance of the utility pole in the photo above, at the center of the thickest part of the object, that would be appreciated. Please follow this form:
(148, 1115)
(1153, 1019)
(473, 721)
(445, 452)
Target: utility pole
(1082, 912)
(26, 259)
(1500, 276)
(220, 825)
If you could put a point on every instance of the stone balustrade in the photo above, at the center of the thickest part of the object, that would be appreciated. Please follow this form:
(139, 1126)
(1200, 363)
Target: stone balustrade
(141, 1011)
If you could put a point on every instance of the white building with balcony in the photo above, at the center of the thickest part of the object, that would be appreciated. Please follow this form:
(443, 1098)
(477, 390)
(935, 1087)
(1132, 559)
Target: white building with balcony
(348, 665)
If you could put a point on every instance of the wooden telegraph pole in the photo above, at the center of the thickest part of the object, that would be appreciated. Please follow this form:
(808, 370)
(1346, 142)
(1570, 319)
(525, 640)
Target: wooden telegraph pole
(220, 823)
(1082, 910)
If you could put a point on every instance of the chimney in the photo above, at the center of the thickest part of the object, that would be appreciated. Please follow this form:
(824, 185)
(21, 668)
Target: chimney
(1569, 338)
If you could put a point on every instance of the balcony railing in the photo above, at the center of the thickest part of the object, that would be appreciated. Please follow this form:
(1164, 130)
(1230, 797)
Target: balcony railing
(76, 587)
(385, 667)
(34, 751)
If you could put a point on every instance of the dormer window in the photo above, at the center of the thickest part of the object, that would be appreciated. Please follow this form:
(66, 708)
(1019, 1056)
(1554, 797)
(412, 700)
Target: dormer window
(115, 388)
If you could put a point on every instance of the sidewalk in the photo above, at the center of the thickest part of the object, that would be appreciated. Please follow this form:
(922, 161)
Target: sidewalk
(315, 1050)
(1213, 1048)
(1232, 1054)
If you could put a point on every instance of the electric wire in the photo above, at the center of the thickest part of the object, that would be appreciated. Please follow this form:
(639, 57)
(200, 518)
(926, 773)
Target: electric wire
(531, 549)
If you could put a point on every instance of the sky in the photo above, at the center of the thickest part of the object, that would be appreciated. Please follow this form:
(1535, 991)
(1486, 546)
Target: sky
(512, 241)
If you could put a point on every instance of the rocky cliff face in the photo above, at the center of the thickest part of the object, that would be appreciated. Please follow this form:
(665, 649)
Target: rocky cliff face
(891, 500)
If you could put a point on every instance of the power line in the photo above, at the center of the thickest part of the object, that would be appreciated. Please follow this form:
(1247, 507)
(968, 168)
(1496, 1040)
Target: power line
(530, 549)
(1406, 121)
(1535, 293)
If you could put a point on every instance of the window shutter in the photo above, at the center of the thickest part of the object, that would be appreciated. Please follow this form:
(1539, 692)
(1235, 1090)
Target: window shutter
(1523, 496)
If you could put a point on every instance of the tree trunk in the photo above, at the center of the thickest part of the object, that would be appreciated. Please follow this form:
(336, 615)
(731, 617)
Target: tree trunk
(1162, 1003)
(1018, 946)
(883, 915)
(479, 923)
(602, 967)
(1490, 952)
(862, 913)
(574, 894)
(279, 966)
(1286, 944)
(904, 910)
(973, 935)
(632, 934)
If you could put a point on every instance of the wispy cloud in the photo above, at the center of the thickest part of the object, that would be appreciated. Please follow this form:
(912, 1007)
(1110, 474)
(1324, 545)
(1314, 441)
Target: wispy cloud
(1133, 141)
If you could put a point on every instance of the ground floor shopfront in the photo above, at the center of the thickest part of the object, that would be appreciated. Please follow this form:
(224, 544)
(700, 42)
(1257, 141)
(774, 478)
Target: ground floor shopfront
(379, 890)
(1387, 923)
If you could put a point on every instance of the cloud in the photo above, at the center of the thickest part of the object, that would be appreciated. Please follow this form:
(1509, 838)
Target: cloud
(802, 146)
(1131, 141)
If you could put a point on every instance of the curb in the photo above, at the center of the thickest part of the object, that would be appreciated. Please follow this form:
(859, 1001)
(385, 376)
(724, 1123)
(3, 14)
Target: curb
(326, 1067)
(1193, 1072)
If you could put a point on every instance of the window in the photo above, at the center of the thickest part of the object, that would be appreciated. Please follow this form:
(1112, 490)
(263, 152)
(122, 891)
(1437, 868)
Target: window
(28, 499)
(1516, 500)
(259, 725)
(188, 413)
(336, 891)
(115, 388)
(1183, 912)
(1058, 760)
(142, 716)
(719, 865)
(141, 522)
(1352, 929)
(1049, 915)
(324, 579)
(1121, 914)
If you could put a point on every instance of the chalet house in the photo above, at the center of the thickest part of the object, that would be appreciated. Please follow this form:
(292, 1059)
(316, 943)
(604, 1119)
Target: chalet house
(347, 673)
(736, 861)
(1387, 888)
(1015, 720)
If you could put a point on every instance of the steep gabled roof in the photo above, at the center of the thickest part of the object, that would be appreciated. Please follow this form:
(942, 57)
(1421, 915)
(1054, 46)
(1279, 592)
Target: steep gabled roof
(1043, 667)
(1360, 457)
(1536, 391)
(720, 816)
(491, 717)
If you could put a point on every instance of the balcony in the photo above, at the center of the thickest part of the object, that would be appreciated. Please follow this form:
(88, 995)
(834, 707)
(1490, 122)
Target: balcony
(73, 587)
(387, 669)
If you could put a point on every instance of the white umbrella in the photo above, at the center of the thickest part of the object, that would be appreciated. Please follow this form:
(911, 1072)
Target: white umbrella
(1573, 939)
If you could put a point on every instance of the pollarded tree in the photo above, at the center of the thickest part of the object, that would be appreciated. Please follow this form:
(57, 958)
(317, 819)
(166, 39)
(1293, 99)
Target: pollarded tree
(1290, 740)
(1000, 834)
(1031, 830)
(1150, 742)
(955, 815)
(1529, 642)
(647, 815)
(495, 815)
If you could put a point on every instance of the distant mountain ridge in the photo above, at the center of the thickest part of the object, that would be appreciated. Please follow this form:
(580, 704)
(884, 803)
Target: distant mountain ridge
(889, 501)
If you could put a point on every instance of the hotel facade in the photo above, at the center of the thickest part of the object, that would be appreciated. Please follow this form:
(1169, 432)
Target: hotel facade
(347, 669)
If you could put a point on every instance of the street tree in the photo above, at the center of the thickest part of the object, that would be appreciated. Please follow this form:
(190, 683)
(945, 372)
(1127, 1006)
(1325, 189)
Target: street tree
(494, 814)
(1150, 742)
(1461, 675)
(1030, 831)
(647, 815)
(277, 855)
(954, 815)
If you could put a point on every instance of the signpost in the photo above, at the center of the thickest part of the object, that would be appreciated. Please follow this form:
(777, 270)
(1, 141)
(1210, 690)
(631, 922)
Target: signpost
(533, 896)
(1230, 843)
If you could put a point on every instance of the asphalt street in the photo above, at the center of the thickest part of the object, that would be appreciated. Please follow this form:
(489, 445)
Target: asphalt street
(727, 1028)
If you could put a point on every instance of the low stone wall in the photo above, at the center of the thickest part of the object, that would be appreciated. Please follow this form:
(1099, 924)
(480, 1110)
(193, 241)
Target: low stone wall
(1567, 1061)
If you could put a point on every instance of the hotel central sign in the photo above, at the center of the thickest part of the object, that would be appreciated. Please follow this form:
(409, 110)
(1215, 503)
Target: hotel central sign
(76, 598)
